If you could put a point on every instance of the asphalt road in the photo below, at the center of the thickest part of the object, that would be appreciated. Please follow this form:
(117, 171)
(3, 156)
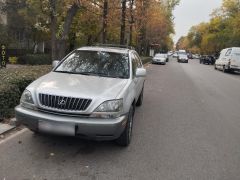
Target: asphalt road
(187, 129)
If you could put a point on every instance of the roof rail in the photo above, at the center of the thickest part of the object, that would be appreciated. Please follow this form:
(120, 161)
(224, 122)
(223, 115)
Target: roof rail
(115, 45)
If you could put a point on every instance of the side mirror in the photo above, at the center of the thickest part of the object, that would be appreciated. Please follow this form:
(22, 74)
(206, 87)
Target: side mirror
(141, 72)
(55, 63)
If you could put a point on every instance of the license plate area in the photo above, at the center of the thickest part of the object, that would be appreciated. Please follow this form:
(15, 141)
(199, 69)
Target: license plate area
(57, 128)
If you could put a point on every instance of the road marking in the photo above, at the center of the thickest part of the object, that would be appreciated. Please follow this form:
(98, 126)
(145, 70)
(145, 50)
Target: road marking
(13, 136)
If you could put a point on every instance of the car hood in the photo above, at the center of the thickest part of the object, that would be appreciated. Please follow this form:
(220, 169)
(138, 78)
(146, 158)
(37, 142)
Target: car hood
(76, 85)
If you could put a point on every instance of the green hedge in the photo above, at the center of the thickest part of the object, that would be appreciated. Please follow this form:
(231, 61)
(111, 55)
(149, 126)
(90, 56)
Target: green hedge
(35, 59)
(13, 82)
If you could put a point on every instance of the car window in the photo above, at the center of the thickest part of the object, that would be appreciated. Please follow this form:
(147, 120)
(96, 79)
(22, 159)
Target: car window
(139, 63)
(228, 52)
(97, 63)
(134, 64)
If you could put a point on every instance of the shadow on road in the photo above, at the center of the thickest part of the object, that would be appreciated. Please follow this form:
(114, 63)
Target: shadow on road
(72, 146)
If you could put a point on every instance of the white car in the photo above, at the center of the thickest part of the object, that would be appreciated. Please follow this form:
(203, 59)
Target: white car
(175, 55)
(160, 59)
(182, 57)
(229, 60)
(91, 93)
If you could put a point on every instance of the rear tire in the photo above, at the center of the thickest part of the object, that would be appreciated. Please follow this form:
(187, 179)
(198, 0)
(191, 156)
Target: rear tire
(125, 138)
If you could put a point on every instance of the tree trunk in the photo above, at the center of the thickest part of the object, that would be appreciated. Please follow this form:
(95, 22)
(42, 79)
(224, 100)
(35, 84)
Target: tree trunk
(59, 46)
(131, 22)
(104, 23)
(122, 33)
(53, 28)
(143, 33)
(66, 29)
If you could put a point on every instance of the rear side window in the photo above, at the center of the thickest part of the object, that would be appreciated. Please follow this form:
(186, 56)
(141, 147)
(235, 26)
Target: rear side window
(138, 59)
(228, 52)
(134, 64)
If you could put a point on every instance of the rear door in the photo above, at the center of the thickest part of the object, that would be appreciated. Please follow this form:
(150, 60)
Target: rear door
(138, 81)
(227, 57)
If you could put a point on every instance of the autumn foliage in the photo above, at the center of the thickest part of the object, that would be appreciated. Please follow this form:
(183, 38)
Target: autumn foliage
(222, 31)
(72, 23)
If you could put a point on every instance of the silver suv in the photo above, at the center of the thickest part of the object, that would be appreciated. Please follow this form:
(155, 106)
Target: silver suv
(91, 93)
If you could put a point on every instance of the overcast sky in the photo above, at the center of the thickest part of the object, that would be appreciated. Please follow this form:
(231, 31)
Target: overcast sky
(192, 12)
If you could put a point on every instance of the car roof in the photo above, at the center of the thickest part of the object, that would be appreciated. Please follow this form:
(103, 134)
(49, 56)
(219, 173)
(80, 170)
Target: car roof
(106, 49)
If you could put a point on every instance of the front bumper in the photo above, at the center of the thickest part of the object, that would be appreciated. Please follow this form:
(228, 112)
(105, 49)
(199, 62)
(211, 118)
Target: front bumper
(158, 62)
(235, 67)
(85, 127)
(183, 60)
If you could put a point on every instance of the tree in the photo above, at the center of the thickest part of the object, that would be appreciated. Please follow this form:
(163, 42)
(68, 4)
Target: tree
(123, 19)
(71, 23)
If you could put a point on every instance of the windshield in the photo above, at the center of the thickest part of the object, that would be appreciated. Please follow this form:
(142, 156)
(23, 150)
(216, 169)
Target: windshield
(182, 53)
(98, 63)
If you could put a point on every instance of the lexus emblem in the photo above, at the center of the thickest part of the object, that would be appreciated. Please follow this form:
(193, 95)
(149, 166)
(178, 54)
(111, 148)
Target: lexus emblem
(61, 102)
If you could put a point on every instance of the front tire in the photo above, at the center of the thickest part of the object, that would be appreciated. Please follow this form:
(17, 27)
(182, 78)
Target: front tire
(125, 137)
(224, 69)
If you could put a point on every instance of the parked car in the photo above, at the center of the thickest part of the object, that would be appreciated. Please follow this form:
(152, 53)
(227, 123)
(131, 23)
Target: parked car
(160, 59)
(175, 54)
(182, 57)
(206, 59)
(196, 56)
(170, 53)
(91, 93)
(229, 60)
(190, 56)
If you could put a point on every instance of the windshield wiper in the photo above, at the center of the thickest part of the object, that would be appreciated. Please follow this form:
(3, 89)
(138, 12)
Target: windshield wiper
(63, 71)
(120, 77)
(86, 73)
(82, 73)
(91, 73)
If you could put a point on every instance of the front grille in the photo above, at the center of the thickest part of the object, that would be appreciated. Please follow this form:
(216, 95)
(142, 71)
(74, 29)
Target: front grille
(63, 113)
(64, 103)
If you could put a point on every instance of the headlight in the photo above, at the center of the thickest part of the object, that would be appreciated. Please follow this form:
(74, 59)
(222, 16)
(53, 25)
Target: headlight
(109, 109)
(26, 100)
(110, 106)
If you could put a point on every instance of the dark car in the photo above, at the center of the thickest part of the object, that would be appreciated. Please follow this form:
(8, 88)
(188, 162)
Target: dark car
(190, 56)
(213, 59)
(206, 59)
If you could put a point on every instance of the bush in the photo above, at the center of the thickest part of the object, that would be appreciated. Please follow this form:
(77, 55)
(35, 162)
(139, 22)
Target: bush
(35, 59)
(13, 60)
(13, 82)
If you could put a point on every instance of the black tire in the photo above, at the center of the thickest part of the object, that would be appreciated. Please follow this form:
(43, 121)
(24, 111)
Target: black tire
(140, 99)
(224, 70)
(125, 137)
